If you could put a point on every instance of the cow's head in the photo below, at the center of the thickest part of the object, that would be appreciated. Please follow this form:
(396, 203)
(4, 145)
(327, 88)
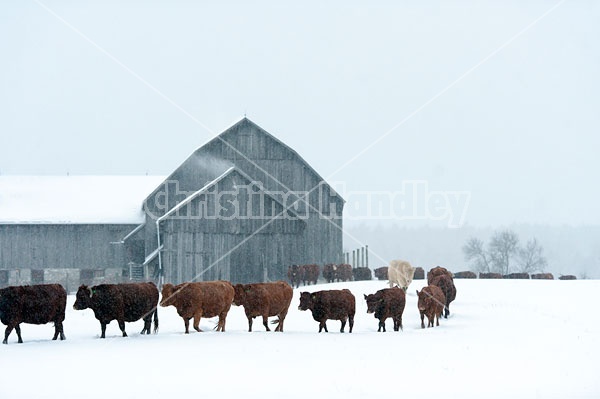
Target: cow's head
(83, 298)
(306, 300)
(422, 303)
(373, 302)
(239, 296)
(167, 295)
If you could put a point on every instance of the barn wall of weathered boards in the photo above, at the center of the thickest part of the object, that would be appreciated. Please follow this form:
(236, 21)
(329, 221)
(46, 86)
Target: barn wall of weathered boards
(243, 207)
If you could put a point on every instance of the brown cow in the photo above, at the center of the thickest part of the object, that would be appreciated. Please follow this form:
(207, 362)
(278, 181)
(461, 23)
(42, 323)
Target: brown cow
(447, 286)
(200, 299)
(437, 271)
(431, 304)
(388, 302)
(329, 272)
(344, 272)
(121, 302)
(490, 275)
(467, 274)
(361, 274)
(419, 273)
(264, 299)
(542, 276)
(35, 304)
(295, 275)
(381, 273)
(310, 274)
(568, 277)
(330, 305)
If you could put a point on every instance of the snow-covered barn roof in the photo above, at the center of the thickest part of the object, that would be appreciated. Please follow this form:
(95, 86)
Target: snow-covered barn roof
(74, 199)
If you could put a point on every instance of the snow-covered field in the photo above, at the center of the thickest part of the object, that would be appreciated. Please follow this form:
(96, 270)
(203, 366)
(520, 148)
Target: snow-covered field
(504, 339)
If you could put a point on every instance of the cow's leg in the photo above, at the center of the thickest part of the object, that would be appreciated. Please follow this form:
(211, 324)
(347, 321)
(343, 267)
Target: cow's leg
(250, 319)
(266, 321)
(323, 326)
(7, 332)
(381, 326)
(103, 329)
(197, 318)
(222, 320)
(351, 322)
(343, 325)
(422, 322)
(437, 319)
(18, 330)
(186, 322)
(122, 326)
(58, 330)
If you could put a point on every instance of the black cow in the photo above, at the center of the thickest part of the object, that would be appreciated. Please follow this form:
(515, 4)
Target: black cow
(121, 302)
(330, 305)
(35, 304)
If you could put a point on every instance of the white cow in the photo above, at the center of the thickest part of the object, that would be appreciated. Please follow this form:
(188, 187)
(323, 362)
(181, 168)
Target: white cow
(401, 273)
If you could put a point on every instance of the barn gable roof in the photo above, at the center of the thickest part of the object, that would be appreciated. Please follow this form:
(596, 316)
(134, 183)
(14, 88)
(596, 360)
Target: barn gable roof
(207, 169)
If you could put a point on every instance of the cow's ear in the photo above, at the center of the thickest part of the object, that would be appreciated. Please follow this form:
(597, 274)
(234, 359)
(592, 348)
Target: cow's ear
(92, 292)
(417, 292)
(365, 296)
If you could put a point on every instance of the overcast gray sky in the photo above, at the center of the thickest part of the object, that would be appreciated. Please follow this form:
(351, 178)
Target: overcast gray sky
(519, 131)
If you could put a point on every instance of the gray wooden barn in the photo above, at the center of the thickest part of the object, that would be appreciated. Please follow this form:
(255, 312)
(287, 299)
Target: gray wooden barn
(243, 207)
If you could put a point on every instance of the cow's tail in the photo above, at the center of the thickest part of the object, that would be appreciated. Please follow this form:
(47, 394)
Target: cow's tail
(155, 320)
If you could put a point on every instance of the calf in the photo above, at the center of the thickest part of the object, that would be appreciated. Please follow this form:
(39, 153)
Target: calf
(388, 302)
(35, 304)
(431, 303)
(447, 286)
(197, 300)
(400, 273)
(466, 274)
(121, 302)
(437, 271)
(264, 299)
(330, 305)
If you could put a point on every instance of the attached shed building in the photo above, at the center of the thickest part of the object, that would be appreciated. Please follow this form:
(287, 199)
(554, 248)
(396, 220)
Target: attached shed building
(243, 207)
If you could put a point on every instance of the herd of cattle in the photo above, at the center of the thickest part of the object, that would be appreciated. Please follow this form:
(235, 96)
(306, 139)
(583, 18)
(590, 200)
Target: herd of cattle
(41, 304)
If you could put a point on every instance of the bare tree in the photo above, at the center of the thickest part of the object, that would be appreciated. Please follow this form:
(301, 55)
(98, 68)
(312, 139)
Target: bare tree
(531, 258)
(475, 252)
(504, 245)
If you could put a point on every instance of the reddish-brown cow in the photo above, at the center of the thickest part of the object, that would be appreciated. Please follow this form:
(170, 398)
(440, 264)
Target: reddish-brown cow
(330, 305)
(197, 300)
(264, 299)
(388, 302)
(447, 286)
(35, 304)
(310, 274)
(431, 303)
(437, 271)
